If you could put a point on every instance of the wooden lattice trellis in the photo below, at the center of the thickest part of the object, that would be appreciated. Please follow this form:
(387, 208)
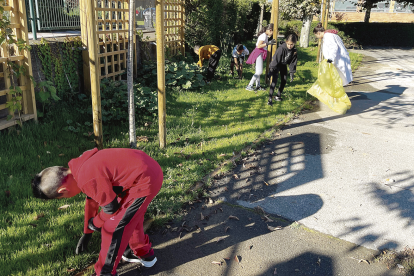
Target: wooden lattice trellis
(16, 9)
(174, 26)
(111, 28)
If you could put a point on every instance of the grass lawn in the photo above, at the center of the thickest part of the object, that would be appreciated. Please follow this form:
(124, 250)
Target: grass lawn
(204, 128)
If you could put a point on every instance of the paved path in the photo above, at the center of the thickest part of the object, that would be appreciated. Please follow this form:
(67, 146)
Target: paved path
(350, 176)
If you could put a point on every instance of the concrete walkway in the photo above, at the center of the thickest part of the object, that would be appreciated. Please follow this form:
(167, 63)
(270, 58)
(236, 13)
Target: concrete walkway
(349, 177)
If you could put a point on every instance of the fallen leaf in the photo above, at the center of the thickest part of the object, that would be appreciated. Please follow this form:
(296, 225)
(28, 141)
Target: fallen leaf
(180, 165)
(227, 228)
(164, 232)
(174, 229)
(223, 154)
(227, 258)
(184, 222)
(45, 143)
(289, 134)
(142, 138)
(70, 270)
(235, 176)
(233, 217)
(48, 152)
(363, 261)
(41, 215)
(210, 201)
(267, 184)
(237, 259)
(179, 236)
(64, 207)
(259, 209)
(400, 266)
(274, 228)
(217, 263)
(250, 247)
(202, 217)
(275, 272)
(297, 270)
(62, 154)
(220, 239)
(267, 219)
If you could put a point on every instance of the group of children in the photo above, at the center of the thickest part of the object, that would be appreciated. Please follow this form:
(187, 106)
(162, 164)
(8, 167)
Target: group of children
(120, 183)
(285, 55)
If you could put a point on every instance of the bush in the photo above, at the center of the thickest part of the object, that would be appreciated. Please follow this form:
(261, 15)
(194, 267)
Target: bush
(379, 34)
(178, 75)
(114, 102)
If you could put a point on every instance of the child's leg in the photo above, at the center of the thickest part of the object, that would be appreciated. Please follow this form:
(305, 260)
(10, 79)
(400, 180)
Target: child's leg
(283, 77)
(259, 71)
(232, 65)
(212, 64)
(240, 71)
(275, 75)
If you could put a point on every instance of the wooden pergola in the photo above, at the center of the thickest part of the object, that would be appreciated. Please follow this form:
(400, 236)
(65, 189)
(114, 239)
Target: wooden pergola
(104, 27)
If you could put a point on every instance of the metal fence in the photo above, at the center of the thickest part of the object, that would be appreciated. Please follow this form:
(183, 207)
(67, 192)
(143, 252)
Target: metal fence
(55, 15)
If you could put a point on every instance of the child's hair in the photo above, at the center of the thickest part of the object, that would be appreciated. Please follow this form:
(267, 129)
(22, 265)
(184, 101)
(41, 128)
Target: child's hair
(318, 28)
(264, 29)
(46, 184)
(196, 48)
(239, 47)
(292, 38)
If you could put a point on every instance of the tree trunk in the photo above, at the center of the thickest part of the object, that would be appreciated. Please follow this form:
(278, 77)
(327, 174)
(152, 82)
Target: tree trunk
(368, 8)
(130, 70)
(304, 33)
(259, 26)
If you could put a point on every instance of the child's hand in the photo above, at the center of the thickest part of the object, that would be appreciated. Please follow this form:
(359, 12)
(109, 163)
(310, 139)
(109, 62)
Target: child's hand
(292, 76)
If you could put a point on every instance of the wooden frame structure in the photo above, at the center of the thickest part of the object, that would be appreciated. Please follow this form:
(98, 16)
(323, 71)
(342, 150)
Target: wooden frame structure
(174, 23)
(110, 27)
(18, 18)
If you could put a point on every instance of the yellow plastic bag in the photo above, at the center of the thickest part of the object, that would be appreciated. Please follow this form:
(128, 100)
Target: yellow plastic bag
(329, 90)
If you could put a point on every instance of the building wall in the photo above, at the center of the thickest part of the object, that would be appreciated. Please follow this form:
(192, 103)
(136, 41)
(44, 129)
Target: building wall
(384, 11)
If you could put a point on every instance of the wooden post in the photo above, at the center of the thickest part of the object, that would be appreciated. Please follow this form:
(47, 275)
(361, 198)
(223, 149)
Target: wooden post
(161, 73)
(182, 28)
(94, 73)
(326, 14)
(85, 54)
(323, 6)
(275, 20)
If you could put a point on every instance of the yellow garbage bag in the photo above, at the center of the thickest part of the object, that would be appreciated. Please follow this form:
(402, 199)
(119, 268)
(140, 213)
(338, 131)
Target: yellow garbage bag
(329, 90)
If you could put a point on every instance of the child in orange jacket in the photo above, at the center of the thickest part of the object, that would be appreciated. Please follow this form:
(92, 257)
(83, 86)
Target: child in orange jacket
(213, 54)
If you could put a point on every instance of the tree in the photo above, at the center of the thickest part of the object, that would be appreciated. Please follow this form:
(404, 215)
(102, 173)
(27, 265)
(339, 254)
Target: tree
(302, 10)
(130, 68)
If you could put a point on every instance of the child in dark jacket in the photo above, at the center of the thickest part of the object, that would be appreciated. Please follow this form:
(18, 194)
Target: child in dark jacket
(286, 54)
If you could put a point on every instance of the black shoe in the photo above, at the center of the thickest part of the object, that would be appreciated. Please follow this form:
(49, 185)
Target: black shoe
(148, 260)
(278, 99)
(259, 88)
(269, 102)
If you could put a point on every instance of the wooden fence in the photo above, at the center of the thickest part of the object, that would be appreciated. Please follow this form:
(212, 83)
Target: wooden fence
(16, 9)
(174, 26)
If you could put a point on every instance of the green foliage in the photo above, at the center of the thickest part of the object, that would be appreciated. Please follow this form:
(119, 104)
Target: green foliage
(378, 34)
(114, 102)
(14, 70)
(178, 75)
(62, 65)
(46, 92)
(221, 23)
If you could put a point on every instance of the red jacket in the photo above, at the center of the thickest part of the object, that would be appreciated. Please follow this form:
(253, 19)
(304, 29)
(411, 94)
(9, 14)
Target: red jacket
(106, 174)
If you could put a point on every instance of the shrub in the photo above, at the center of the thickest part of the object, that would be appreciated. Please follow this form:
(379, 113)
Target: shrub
(178, 75)
(114, 102)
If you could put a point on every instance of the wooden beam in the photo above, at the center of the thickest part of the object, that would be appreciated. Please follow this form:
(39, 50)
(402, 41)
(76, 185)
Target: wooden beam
(161, 73)
(94, 73)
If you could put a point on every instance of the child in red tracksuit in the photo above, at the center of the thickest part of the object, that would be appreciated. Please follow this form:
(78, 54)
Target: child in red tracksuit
(120, 181)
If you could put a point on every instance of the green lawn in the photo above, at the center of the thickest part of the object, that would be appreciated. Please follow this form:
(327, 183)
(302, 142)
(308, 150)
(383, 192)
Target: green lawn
(204, 128)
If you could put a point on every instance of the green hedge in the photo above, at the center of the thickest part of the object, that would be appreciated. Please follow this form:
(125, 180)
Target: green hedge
(379, 34)
(356, 34)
